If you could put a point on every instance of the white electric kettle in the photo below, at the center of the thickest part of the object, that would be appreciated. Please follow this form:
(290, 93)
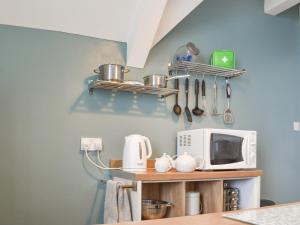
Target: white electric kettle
(135, 153)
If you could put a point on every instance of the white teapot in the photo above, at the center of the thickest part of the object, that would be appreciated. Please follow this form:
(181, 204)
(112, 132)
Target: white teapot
(185, 163)
(164, 163)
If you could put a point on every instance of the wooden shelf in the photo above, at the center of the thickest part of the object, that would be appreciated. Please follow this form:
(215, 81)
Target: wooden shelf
(173, 192)
(173, 186)
(152, 175)
(211, 194)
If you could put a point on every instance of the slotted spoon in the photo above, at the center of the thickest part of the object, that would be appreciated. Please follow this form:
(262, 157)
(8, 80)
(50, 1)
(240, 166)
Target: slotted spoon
(228, 116)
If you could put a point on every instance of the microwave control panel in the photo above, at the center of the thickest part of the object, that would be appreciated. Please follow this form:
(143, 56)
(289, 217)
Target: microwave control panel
(185, 140)
(190, 141)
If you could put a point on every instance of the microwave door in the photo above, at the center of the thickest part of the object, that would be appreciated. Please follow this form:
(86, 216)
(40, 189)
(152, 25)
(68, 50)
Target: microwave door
(226, 149)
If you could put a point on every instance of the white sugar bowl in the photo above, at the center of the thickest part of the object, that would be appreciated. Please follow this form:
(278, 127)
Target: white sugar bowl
(185, 163)
(163, 164)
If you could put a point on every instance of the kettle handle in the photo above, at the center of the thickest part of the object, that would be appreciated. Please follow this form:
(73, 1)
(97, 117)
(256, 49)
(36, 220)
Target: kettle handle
(148, 145)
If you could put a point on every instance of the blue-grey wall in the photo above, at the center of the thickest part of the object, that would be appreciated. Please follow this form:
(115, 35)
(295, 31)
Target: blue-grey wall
(45, 108)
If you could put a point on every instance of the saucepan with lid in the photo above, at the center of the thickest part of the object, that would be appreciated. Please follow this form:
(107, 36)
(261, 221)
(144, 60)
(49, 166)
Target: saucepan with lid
(111, 72)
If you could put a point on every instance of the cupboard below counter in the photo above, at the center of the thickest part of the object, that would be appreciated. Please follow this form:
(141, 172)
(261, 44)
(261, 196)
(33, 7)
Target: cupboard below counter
(172, 187)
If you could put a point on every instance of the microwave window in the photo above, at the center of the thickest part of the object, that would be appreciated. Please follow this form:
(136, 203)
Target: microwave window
(225, 149)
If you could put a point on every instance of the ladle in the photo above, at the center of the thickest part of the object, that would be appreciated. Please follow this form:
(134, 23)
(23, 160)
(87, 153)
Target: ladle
(176, 108)
(197, 111)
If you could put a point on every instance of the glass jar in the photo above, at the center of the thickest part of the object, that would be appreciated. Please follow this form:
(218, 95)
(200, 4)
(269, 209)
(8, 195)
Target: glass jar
(188, 52)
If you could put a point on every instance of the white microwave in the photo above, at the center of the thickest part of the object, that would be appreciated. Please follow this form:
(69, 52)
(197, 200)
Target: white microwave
(219, 149)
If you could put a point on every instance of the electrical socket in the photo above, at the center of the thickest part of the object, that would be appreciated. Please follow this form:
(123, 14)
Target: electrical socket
(296, 126)
(92, 144)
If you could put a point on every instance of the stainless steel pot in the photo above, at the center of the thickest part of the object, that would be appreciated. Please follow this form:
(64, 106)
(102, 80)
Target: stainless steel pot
(154, 209)
(111, 72)
(156, 80)
(159, 80)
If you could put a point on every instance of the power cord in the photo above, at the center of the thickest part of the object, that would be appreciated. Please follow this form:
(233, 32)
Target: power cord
(102, 166)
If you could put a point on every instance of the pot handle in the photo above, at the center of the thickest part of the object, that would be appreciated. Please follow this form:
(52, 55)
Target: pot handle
(97, 71)
(148, 145)
(170, 204)
(178, 76)
(201, 207)
(126, 70)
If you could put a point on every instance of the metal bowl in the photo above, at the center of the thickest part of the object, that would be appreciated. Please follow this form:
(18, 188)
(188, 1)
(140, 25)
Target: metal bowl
(154, 209)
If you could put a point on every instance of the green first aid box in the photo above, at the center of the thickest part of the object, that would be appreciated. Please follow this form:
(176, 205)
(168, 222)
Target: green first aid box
(223, 58)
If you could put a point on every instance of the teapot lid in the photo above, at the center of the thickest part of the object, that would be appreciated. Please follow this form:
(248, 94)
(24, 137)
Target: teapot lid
(185, 155)
(164, 155)
(134, 136)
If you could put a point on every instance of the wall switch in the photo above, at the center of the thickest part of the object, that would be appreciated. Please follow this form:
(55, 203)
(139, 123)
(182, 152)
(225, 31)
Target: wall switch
(296, 126)
(91, 144)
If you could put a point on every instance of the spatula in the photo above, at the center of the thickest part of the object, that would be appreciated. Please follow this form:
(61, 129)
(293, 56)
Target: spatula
(204, 104)
(186, 109)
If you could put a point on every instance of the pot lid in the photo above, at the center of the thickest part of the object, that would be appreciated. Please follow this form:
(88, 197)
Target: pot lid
(192, 48)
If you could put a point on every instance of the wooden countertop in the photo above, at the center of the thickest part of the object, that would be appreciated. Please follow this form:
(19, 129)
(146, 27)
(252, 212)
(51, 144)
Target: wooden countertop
(204, 219)
(152, 175)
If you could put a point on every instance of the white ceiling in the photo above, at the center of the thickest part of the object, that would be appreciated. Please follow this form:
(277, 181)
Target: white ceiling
(139, 23)
(275, 7)
(94, 18)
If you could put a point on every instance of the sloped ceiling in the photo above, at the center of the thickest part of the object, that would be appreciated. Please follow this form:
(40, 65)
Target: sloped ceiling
(139, 23)
(275, 7)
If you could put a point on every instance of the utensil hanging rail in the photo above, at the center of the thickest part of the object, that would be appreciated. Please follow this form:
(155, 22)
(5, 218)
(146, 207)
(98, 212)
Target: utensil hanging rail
(203, 69)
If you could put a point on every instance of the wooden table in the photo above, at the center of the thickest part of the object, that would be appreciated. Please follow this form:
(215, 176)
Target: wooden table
(206, 219)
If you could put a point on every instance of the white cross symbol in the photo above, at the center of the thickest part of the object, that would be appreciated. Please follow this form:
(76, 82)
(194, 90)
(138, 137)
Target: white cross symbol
(224, 59)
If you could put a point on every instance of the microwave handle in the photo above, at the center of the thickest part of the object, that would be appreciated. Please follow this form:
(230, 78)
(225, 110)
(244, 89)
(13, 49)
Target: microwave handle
(245, 148)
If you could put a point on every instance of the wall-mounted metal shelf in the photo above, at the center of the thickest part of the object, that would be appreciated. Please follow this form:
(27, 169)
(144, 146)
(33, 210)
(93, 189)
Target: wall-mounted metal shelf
(203, 69)
(134, 88)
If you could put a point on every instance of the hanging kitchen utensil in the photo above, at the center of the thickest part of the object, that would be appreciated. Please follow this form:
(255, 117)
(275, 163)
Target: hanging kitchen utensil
(228, 116)
(204, 104)
(186, 109)
(176, 108)
(197, 111)
(215, 99)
